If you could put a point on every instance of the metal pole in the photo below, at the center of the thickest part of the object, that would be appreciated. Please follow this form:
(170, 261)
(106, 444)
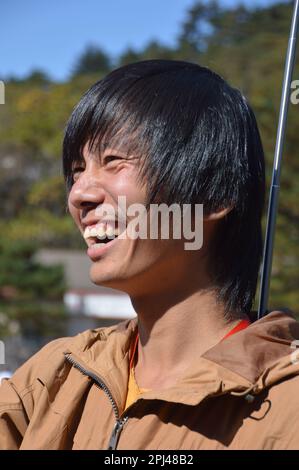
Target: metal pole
(274, 191)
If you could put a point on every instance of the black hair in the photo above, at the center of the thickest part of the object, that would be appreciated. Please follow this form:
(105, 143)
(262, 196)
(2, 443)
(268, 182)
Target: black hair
(198, 142)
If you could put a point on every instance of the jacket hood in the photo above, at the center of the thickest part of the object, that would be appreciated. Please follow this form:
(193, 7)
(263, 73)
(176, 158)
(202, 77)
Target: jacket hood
(243, 365)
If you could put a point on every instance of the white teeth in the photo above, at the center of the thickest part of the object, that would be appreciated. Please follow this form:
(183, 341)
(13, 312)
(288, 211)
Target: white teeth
(86, 233)
(93, 232)
(101, 231)
(109, 231)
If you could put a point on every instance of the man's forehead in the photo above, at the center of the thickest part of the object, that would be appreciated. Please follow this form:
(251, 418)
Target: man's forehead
(122, 145)
(123, 142)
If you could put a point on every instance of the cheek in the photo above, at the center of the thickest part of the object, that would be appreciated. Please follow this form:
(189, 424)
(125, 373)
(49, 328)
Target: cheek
(126, 184)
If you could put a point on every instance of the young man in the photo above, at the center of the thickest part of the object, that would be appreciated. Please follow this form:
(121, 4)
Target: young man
(195, 370)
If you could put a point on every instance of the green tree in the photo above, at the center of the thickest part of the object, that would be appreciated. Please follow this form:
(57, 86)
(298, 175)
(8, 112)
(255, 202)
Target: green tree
(93, 61)
(129, 56)
(30, 293)
(153, 50)
(38, 77)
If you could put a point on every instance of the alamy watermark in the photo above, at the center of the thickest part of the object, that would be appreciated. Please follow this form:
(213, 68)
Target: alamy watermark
(2, 92)
(295, 93)
(2, 353)
(159, 221)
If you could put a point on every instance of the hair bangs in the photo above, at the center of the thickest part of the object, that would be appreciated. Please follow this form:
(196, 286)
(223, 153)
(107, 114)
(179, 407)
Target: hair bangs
(101, 119)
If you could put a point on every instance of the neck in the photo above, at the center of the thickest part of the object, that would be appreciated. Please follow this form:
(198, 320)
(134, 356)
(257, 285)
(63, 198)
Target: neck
(174, 330)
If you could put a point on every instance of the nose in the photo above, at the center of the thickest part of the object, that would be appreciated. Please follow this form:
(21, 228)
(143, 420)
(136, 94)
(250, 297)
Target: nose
(86, 192)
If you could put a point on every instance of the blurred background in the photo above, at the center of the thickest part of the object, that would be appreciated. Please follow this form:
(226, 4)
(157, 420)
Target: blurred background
(51, 52)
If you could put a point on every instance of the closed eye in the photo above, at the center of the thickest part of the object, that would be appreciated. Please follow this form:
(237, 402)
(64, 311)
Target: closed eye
(111, 158)
(77, 170)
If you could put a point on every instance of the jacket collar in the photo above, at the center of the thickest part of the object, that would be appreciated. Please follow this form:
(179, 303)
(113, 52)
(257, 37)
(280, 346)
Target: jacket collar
(247, 361)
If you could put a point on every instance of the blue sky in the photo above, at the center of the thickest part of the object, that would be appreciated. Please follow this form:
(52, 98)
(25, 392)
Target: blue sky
(51, 34)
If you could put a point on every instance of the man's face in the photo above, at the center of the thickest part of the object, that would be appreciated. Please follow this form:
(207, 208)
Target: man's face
(126, 263)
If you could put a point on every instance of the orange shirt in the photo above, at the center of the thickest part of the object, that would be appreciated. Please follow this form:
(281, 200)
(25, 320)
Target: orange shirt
(134, 391)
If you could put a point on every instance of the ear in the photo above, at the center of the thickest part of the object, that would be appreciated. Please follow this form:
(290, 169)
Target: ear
(218, 215)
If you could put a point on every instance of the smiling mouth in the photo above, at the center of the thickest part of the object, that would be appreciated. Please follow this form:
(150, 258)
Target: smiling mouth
(102, 241)
(99, 239)
(100, 234)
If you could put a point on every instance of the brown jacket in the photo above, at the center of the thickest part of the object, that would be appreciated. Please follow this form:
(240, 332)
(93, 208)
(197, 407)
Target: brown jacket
(241, 394)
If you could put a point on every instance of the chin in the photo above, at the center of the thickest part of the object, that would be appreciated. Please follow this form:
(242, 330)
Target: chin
(103, 278)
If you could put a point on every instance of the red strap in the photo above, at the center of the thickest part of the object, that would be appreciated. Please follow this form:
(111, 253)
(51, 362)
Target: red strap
(240, 326)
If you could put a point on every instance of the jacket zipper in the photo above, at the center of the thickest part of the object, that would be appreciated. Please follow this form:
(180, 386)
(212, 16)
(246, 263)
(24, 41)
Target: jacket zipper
(101, 384)
(118, 427)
